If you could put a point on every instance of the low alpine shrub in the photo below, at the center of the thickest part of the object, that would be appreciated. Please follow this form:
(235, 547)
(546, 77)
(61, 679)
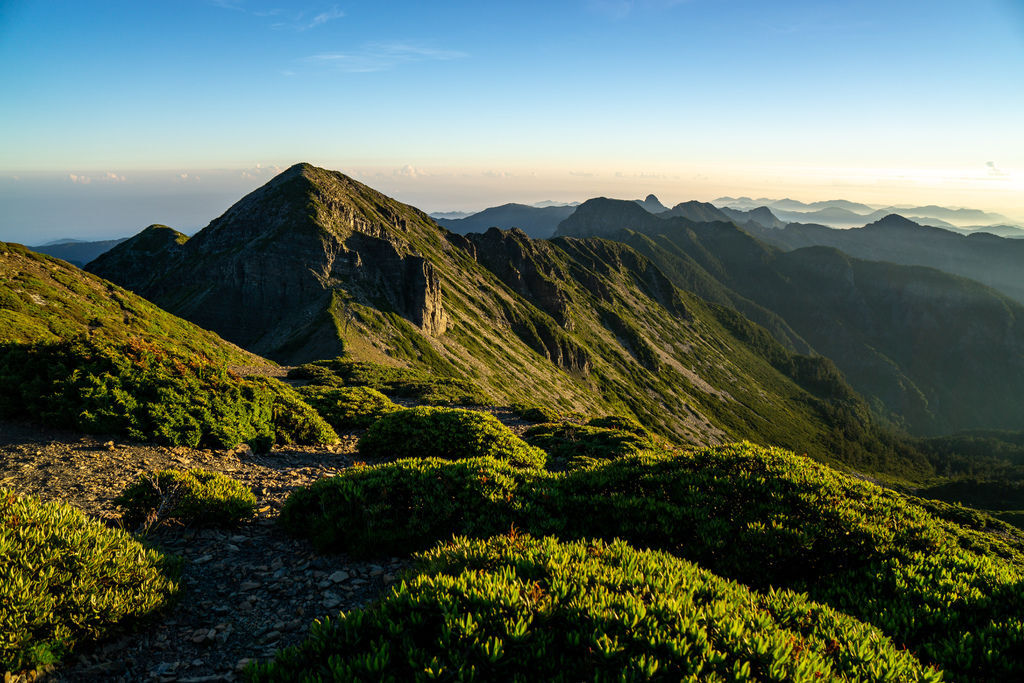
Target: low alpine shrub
(150, 394)
(66, 579)
(194, 498)
(449, 433)
(538, 414)
(406, 382)
(347, 408)
(571, 445)
(406, 505)
(771, 519)
(520, 609)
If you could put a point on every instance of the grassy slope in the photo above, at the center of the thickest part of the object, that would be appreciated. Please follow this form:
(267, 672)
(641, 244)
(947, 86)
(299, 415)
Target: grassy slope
(621, 340)
(44, 299)
(77, 351)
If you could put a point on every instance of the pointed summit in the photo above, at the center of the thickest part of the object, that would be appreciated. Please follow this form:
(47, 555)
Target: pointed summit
(266, 273)
(894, 221)
(652, 204)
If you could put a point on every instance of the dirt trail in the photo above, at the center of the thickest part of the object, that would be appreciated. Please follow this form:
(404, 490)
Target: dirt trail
(248, 591)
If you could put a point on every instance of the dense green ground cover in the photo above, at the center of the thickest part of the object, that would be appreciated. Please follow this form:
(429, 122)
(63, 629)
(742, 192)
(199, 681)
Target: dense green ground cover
(347, 408)
(571, 446)
(449, 433)
(192, 497)
(949, 592)
(65, 579)
(149, 393)
(406, 505)
(77, 351)
(422, 385)
(519, 609)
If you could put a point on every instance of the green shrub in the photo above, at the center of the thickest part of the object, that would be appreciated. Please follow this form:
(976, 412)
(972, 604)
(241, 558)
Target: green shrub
(65, 579)
(769, 518)
(145, 393)
(294, 420)
(194, 498)
(538, 414)
(423, 386)
(449, 433)
(347, 408)
(519, 609)
(626, 424)
(405, 505)
(572, 445)
(951, 593)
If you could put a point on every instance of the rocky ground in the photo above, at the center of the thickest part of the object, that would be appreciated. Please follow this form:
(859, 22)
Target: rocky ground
(248, 591)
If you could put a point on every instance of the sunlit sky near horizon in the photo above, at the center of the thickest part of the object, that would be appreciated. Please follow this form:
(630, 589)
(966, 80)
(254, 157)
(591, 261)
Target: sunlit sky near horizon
(120, 114)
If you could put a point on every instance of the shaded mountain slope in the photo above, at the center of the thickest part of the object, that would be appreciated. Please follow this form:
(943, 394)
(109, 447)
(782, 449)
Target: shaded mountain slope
(314, 265)
(536, 222)
(939, 352)
(994, 261)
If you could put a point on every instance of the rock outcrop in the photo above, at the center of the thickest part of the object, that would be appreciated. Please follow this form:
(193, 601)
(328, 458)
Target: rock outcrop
(263, 274)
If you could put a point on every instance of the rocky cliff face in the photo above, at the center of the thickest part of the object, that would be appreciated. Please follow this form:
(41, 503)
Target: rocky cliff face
(263, 274)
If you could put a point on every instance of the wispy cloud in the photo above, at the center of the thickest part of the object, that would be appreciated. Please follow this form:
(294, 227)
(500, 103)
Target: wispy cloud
(994, 170)
(286, 19)
(382, 57)
(303, 21)
(83, 179)
(620, 9)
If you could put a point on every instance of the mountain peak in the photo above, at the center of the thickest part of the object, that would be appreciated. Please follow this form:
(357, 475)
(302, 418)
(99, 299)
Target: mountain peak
(652, 204)
(894, 220)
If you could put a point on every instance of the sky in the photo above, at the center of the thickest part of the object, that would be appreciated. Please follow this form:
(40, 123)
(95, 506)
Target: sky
(115, 115)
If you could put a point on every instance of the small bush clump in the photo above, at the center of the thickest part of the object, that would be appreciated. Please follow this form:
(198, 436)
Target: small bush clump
(193, 498)
(571, 445)
(406, 382)
(347, 408)
(449, 433)
(405, 505)
(66, 579)
(519, 609)
(538, 414)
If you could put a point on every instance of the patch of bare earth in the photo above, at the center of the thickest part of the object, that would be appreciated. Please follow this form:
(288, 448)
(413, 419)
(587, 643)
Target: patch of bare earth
(247, 592)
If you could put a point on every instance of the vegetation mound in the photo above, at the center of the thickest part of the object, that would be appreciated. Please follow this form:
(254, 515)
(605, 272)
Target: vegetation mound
(77, 351)
(520, 609)
(347, 408)
(405, 382)
(449, 433)
(66, 579)
(149, 393)
(572, 445)
(405, 505)
(766, 517)
(194, 498)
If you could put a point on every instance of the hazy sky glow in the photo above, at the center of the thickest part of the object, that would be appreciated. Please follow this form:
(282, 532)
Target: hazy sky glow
(120, 114)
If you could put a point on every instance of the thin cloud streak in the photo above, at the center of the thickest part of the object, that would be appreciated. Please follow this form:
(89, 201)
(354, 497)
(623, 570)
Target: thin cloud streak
(382, 57)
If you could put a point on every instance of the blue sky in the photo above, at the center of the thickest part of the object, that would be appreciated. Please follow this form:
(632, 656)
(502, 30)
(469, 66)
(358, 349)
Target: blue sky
(115, 108)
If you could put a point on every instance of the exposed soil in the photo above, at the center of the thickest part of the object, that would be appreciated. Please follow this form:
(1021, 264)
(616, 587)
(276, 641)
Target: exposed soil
(247, 591)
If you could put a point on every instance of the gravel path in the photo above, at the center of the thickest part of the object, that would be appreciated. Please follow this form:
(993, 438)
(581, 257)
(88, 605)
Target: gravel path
(247, 591)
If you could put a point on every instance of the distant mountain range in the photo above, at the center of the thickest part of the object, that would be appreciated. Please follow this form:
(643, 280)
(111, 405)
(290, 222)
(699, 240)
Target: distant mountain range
(537, 222)
(841, 213)
(77, 252)
(936, 351)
